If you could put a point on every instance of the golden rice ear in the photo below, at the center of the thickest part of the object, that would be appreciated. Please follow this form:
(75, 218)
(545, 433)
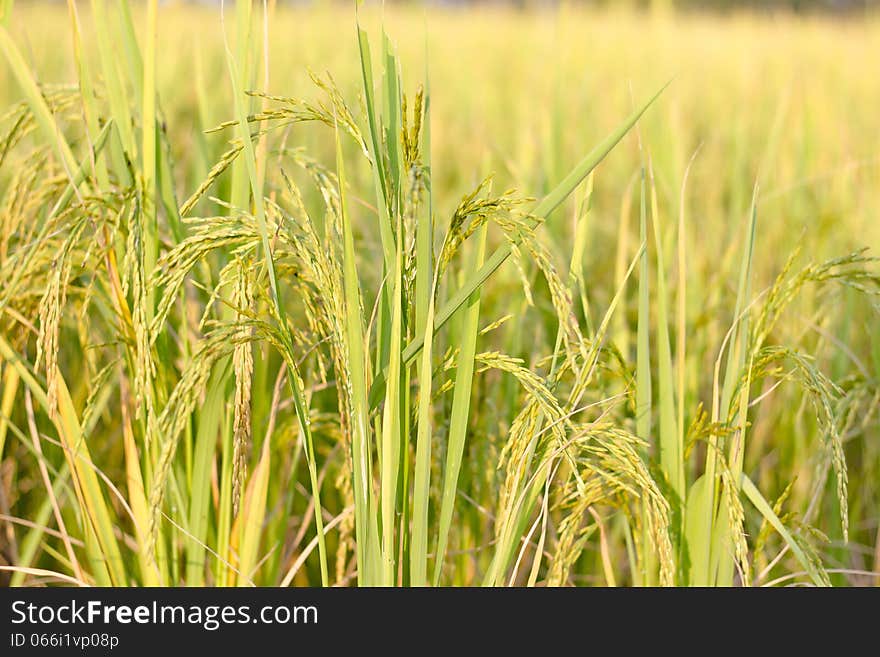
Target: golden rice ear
(206, 236)
(243, 368)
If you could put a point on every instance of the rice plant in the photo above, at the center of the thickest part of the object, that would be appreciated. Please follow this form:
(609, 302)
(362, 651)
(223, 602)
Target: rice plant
(284, 350)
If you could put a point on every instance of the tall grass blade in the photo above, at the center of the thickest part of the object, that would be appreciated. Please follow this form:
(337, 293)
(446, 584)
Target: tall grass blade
(669, 438)
(461, 405)
(366, 528)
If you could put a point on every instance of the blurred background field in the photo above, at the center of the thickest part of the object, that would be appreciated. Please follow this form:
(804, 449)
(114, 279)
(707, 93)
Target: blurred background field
(783, 100)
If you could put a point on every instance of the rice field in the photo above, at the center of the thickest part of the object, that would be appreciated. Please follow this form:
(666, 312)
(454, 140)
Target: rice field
(463, 296)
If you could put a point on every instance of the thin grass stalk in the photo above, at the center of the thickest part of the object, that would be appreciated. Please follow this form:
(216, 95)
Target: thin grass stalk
(294, 380)
(148, 152)
(643, 400)
(422, 475)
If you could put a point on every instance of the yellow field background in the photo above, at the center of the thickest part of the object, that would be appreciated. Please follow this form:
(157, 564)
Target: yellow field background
(785, 102)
